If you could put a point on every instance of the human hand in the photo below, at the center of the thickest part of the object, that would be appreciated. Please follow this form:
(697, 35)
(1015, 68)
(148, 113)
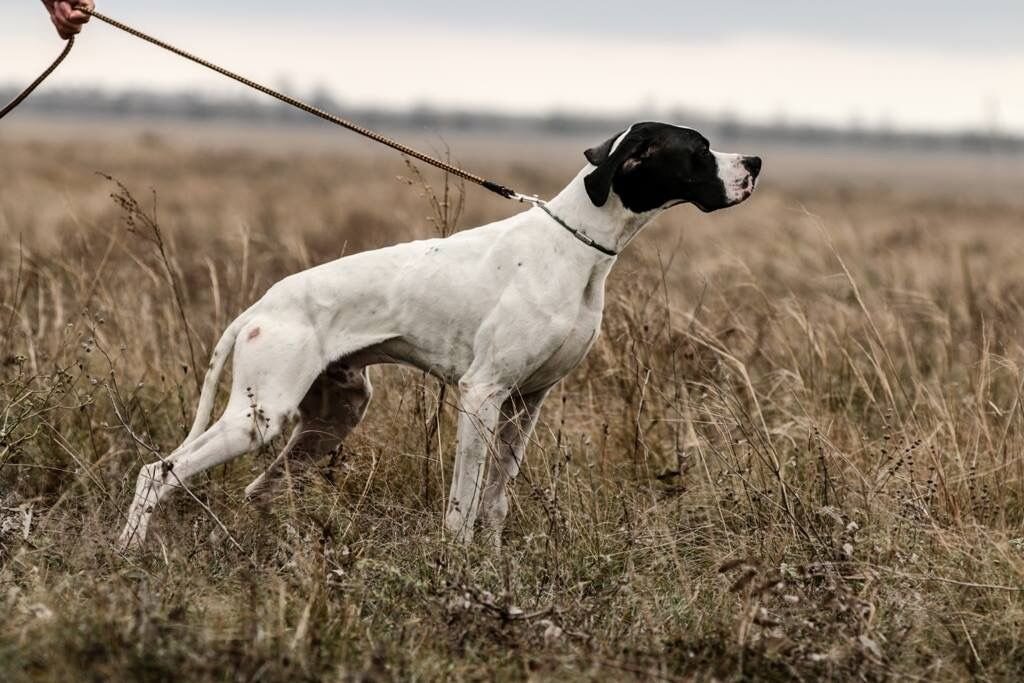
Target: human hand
(66, 16)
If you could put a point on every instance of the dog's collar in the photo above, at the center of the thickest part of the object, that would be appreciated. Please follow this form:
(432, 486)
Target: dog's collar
(581, 236)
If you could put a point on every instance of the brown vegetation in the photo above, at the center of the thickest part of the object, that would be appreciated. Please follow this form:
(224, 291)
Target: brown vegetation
(796, 450)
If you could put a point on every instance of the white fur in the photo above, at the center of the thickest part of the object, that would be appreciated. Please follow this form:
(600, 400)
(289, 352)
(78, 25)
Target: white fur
(505, 311)
(735, 177)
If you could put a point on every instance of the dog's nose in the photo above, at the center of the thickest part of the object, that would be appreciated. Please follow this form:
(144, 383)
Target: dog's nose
(753, 165)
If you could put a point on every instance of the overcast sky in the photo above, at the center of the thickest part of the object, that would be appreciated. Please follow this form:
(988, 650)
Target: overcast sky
(906, 63)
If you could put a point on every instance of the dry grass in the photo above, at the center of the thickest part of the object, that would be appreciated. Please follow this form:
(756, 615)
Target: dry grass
(795, 452)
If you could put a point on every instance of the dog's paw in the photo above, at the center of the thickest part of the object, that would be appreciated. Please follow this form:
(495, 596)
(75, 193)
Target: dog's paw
(217, 535)
(254, 492)
(490, 536)
(458, 528)
(130, 540)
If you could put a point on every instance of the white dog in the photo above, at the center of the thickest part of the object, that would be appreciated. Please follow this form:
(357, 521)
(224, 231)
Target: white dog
(505, 310)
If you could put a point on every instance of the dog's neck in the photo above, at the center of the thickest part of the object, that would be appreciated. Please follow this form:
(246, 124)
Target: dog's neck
(612, 225)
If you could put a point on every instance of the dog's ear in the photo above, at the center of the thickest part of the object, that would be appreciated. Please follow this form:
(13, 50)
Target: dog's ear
(599, 181)
(598, 155)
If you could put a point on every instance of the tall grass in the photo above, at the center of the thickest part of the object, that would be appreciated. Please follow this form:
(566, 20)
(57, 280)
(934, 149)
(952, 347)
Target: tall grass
(795, 451)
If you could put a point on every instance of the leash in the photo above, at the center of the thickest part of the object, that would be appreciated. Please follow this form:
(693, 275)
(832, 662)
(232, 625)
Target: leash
(496, 188)
(23, 95)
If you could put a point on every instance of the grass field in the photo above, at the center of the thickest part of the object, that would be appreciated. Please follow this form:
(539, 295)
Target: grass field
(797, 450)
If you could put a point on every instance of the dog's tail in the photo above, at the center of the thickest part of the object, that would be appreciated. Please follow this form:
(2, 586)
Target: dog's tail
(220, 356)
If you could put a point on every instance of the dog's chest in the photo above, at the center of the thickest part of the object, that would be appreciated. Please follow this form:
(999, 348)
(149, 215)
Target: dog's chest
(579, 338)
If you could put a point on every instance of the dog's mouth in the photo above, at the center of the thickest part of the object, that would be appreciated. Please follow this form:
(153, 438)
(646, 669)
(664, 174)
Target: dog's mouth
(745, 189)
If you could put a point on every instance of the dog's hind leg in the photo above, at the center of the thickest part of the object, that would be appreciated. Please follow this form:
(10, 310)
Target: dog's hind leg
(331, 409)
(272, 374)
(260, 484)
(235, 433)
(518, 419)
(259, 488)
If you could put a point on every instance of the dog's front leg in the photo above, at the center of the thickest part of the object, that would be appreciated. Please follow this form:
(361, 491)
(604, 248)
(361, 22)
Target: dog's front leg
(480, 407)
(519, 417)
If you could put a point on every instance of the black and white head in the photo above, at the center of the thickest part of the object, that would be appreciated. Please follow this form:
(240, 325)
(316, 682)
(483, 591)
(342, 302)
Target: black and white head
(652, 166)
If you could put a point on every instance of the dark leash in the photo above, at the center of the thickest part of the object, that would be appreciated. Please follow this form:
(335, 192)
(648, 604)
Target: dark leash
(496, 188)
(42, 77)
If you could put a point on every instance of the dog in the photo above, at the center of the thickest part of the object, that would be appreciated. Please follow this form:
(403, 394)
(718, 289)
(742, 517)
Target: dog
(504, 311)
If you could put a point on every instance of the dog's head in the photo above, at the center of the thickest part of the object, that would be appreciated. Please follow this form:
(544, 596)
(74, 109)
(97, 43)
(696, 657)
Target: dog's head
(653, 166)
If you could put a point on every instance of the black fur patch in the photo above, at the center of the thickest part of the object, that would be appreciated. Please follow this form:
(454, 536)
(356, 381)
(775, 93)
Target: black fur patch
(656, 164)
